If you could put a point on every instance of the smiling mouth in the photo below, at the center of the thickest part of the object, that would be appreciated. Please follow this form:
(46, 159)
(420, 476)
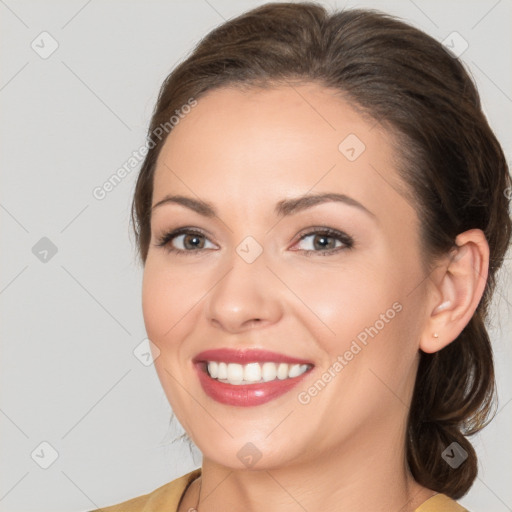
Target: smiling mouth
(253, 373)
(245, 377)
(245, 384)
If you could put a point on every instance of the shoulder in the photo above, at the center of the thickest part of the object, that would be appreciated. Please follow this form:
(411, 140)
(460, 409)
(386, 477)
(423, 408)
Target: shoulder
(165, 497)
(440, 503)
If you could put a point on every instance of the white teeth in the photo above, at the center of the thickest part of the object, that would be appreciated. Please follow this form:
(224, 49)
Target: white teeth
(282, 371)
(269, 372)
(236, 374)
(252, 372)
(213, 369)
(222, 372)
(294, 371)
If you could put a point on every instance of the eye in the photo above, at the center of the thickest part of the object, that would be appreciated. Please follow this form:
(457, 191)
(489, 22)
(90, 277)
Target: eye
(184, 240)
(325, 241)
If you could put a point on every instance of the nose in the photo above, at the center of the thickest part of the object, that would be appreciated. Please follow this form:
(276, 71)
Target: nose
(247, 296)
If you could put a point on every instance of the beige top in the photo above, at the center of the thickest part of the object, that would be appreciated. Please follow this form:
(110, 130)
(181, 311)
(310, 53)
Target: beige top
(167, 498)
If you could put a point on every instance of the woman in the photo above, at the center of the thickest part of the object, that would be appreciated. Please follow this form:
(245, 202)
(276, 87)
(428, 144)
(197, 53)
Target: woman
(321, 215)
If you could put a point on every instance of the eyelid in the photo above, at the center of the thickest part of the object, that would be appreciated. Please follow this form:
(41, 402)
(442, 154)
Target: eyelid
(346, 240)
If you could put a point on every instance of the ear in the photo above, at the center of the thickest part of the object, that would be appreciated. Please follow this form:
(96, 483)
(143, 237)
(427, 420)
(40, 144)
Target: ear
(458, 285)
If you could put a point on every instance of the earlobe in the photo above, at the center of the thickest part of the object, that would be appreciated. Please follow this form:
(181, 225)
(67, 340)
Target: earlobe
(459, 287)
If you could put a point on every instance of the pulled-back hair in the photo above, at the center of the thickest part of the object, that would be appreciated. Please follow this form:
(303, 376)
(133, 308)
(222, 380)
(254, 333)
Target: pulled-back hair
(453, 166)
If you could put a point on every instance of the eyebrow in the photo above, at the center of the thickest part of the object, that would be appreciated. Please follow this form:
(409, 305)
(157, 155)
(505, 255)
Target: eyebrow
(282, 208)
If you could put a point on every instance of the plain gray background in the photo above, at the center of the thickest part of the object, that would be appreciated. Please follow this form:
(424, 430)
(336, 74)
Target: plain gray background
(71, 319)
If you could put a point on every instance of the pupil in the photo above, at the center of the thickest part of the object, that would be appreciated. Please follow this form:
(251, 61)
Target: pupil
(196, 240)
(323, 243)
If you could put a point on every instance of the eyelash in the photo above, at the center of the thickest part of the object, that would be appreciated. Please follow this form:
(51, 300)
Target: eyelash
(346, 240)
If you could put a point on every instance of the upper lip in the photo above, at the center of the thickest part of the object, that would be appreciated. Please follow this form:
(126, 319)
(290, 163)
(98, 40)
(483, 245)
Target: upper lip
(244, 356)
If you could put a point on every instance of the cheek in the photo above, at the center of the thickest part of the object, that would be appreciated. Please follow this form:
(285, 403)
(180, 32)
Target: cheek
(152, 304)
(363, 313)
(169, 295)
(160, 301)
(343, 300)
(166, 299)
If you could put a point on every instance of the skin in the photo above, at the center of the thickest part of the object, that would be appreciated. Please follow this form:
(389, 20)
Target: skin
(243, 152)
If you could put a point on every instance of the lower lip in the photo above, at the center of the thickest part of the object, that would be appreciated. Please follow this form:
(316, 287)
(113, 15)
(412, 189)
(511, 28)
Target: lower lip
(245, 395)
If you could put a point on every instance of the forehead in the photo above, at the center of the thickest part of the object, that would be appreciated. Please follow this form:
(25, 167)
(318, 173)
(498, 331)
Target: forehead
(259, 145)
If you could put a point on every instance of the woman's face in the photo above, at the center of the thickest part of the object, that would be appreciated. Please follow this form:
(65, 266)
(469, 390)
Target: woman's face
(346, 306)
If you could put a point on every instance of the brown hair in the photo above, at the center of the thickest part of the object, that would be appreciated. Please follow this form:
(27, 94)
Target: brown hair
(450, 159)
